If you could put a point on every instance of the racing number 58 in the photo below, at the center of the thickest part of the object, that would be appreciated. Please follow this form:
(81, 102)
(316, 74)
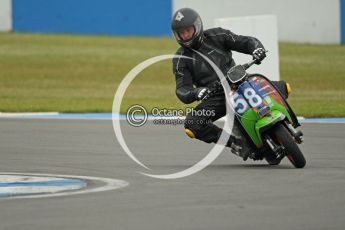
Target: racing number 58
(241, 105)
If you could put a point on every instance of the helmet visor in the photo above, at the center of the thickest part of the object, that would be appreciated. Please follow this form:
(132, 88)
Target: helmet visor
(186, 34)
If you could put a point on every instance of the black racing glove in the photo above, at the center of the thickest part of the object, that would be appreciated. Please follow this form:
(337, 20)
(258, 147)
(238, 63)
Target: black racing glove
(201, 93)
(259, 54)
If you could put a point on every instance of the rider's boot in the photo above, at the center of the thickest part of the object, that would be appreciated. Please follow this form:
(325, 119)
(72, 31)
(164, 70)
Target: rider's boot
(240, 146)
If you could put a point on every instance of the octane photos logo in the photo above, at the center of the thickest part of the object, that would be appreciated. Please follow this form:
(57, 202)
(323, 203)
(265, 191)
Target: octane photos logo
(132, 115)
(137, 115)
(215, 151)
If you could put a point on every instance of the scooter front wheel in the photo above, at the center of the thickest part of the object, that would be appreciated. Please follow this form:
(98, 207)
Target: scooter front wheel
(283, 137)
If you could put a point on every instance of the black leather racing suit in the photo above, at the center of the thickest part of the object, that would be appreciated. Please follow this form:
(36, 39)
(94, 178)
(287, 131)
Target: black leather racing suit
(194, 72)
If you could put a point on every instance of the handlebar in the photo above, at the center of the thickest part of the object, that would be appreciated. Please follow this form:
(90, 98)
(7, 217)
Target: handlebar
(252, 62)
(249, 64)
(217, 86)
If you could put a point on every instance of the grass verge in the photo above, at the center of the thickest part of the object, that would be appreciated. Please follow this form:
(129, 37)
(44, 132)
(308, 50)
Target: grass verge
(69, 73)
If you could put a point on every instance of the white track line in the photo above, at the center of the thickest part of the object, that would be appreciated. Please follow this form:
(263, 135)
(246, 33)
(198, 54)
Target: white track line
(110, 184)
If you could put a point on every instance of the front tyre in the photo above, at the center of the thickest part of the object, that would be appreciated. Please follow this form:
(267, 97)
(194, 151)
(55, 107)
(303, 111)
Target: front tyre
(272, 160)
(283, 137)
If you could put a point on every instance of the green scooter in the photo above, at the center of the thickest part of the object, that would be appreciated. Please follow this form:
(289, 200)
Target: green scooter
(265, 117)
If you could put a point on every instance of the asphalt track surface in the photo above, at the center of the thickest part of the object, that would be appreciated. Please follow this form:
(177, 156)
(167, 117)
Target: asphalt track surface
(228, 194)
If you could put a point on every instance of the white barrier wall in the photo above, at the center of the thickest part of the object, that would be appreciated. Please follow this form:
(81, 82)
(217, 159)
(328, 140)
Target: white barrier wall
(5, 15)
(265, 29)
(312, 21)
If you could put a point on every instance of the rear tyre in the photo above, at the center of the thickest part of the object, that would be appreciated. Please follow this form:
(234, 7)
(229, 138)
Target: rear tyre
(283, 137)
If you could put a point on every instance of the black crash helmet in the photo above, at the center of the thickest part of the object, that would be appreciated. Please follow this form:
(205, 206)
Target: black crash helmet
(184, 18)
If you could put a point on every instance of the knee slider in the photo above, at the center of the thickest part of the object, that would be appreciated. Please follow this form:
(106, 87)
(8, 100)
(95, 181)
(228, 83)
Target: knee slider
(190, 133)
